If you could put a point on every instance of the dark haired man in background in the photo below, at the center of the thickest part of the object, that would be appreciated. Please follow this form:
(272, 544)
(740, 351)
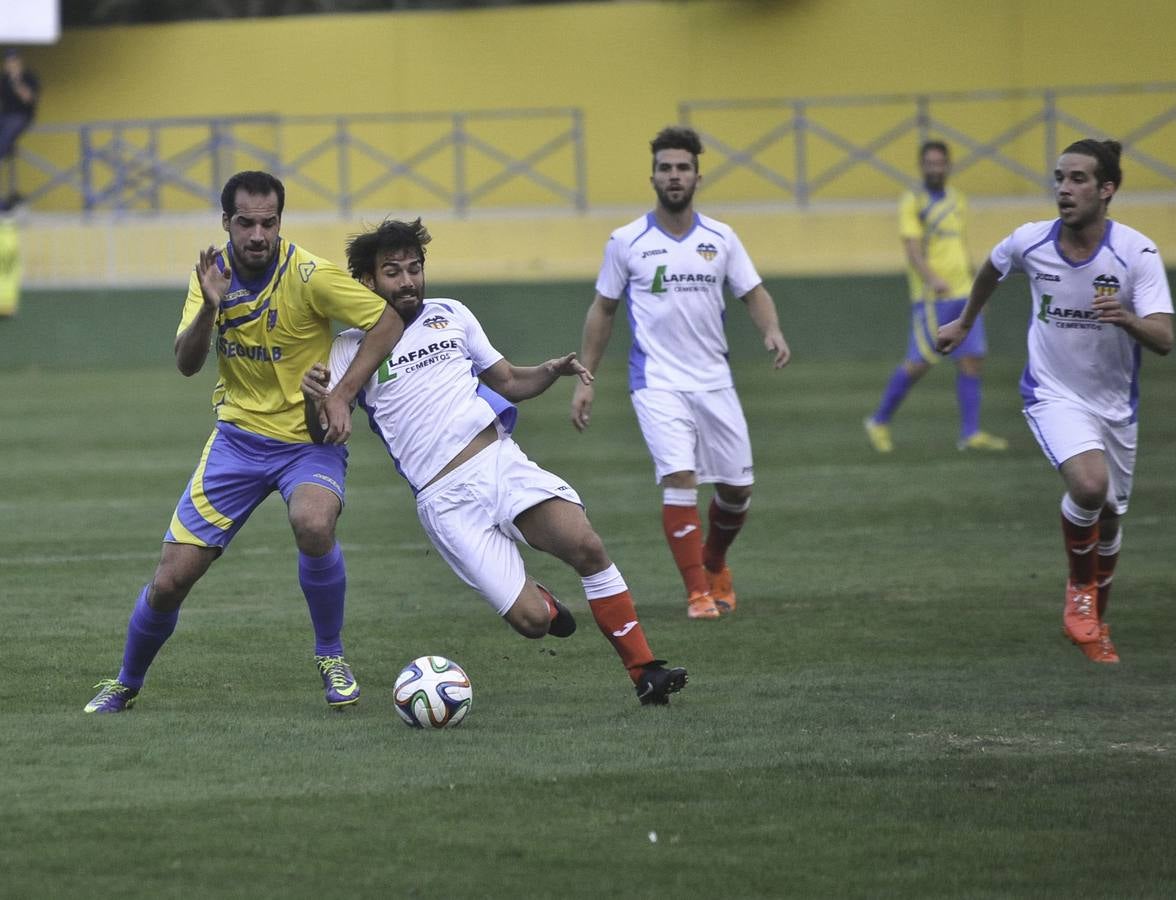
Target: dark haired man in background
(671, 265)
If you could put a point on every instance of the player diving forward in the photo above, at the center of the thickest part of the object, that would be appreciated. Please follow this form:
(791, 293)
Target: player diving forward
(477, 492)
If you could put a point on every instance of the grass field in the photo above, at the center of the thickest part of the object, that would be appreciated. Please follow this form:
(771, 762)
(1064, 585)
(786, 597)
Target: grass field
(892, 711)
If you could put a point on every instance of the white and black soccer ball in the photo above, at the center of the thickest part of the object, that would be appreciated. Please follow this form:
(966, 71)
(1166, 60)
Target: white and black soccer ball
(433, 692)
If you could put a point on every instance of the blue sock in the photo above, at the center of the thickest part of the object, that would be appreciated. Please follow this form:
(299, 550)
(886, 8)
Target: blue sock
(896, 389)
(147, 631)
(968, 395)
(324, 583)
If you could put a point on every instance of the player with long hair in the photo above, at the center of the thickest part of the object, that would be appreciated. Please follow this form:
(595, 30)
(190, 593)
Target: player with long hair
(443, 405)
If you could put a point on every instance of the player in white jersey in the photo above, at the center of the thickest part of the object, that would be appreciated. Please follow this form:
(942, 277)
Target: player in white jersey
(671, 266)
(442, 403)
(1100, 294)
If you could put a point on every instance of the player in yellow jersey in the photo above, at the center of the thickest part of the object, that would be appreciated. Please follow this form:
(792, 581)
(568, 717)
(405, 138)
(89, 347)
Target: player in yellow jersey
(266, 306)
(931, 225)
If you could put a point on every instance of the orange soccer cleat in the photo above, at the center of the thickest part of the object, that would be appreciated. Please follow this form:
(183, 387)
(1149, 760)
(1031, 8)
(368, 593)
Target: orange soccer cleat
(721, 589)
(701, 605)
(1102, 650)
(1080, 616)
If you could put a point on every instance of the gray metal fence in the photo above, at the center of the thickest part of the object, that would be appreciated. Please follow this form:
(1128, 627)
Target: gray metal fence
(778, 151)
(461, 161)
(805, 150)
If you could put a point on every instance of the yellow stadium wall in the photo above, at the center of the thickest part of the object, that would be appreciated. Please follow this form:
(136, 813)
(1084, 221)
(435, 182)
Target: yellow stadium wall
(627, 65)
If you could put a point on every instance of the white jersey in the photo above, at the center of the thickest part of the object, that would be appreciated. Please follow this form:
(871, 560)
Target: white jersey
(1071, 354)
(430, 377)
(674, 290)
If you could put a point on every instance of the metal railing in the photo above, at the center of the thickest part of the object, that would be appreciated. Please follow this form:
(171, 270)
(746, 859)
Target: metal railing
(782, 151)
(804, 150)
(461, 161)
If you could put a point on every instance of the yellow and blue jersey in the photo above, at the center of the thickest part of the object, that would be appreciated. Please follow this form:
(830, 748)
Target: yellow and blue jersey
(936, 221)
(268, 332)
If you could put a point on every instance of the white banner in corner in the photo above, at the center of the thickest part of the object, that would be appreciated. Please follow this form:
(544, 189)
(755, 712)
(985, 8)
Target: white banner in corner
(30, 22)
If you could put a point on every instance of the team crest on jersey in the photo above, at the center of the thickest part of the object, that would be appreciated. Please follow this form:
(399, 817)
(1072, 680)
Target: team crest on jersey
(707, 251)
(306, 269)
(271, 320)
(437, 322)
(1105, 285)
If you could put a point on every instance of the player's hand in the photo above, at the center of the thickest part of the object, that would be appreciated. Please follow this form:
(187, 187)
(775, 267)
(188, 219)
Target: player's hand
(950, 336)
(214, 283)
(1111, 311)
(569, 365)
(337, 413)
(776, 345)
(314, 389)
(582, 405)
(315, 381)
(941, 288)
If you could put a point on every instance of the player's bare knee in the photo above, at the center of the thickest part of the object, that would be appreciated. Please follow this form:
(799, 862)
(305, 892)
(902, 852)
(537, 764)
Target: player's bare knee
(529, 615)
(734, 494)
(683, 480)
(313, 512)
(168, 590)
(314, 534)
(588, 555)
(1088, 492)
(533, 630)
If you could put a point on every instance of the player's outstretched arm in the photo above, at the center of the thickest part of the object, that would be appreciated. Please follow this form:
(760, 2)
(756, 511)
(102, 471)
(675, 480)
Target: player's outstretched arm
(192, 344)
(762, 310)
(953, 333)
(598, 326)
(377, 344)
(517, 383)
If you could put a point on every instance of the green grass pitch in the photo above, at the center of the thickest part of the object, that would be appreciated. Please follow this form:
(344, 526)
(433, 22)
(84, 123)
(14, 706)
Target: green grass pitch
(891, 712)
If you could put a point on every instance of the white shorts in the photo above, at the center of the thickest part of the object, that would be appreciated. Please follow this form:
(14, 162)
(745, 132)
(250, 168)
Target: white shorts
(1064, 429)
(469, 516)
(703, 432)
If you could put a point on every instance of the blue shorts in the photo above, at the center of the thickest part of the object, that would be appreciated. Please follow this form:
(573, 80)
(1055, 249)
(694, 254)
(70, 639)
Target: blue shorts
(237, 470)
(927, 316)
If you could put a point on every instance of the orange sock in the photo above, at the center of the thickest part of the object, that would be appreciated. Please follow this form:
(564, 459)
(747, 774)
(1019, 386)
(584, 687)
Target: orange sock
(1105, 575)
(683, 529)
(724, 527)
(617, 618)
(1080, 543)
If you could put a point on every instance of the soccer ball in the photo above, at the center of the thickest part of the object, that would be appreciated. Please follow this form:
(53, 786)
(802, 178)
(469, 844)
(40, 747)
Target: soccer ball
(433, 692)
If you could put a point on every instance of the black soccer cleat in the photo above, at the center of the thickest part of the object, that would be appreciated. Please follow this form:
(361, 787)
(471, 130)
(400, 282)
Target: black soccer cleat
(657, 683)
(564, 623)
